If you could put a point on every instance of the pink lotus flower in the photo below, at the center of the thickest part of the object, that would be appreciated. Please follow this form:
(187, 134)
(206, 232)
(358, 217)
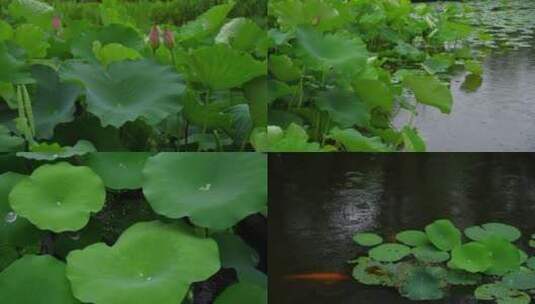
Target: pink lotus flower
(169, 39)
(56, 23)
(154, 37)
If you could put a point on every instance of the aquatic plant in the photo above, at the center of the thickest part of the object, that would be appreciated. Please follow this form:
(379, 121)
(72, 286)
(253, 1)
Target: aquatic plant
(140, 228)
(430, 262)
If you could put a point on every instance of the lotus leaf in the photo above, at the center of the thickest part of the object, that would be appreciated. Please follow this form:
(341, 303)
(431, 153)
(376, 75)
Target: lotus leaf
(243, 292)
(367, 239)
(58, 197)
(46, 151)
(354, 141)
(128, 90)
(33, 11)
(443, 234)
(523, 279)
(369, 272)
(241, 33)
(32, 39)
(284, 68)
(8, 142)
(459, 277)
(430, 91)
(114, 52)
(82, 45)
(501, 294)
(216, 190)
(345, 108)
(6, 31)
(531, 263)
(220, 67)
(205, 24)
(412, 238)
(36, 280)
(12, 67)
(119, 170)
(422, 284)
(274, 139)
(506, 257)
(375, 93)
(430, 254)
(472, 257)
(389, 252)
(507, 232)
(151, 262)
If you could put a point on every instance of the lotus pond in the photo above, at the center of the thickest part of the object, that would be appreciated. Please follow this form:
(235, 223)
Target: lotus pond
(138, 228)
(324, 206)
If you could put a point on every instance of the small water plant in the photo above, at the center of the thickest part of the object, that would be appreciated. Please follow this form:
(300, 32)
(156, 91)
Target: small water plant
(426, 264)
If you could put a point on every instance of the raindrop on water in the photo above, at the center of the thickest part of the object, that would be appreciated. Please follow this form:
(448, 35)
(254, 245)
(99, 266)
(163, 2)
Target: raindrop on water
(11, 217)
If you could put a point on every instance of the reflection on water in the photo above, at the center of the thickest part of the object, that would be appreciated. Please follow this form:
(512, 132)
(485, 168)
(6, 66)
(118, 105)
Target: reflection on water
(317, 202)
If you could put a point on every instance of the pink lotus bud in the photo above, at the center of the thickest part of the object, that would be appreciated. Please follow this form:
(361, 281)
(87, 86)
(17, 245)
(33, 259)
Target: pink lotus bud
(154, 37)
(56, 23)
(169, 39)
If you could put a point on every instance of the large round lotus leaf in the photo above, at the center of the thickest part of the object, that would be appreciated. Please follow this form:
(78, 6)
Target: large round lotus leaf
(472, 257)
(443, 234)
(150, 263)
(522, 279)
(344, 107)
(46, 151)
(389, 252)
(430, 254)
(119, 170)
(478, 233)
(59, 197)
(367, 239)
(501, 294)
(221, 67)
(505, 256)
(412, 238)
(35, 280)
(241, 33)
(422, 284)
(243, 292)
(216, 190)
(128, 90)
(369, 272)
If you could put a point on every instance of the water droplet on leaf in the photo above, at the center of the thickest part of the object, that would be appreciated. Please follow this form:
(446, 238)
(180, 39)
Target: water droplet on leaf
(11, 217)
(205, 187)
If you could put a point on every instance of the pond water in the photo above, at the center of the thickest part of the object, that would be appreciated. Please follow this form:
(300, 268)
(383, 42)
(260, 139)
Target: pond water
(317, 202)
(500, 115)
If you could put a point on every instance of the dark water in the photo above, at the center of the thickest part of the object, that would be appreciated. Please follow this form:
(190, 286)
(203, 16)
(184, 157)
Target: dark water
(317, 202)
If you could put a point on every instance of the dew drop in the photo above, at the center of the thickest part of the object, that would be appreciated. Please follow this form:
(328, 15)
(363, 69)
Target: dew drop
(11, 217)
(58, 203)
(121, 165)
(149, 278)
(141, 274)
(205, 187)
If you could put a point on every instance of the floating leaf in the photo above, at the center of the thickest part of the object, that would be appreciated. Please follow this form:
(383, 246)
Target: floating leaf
(531, 263)
(507, 232)
(389, 252)
(412, 238)
(443, 234)
(430, 254)
(46, 151)
(459, 277)
(119, 170)
(151, 262)
(501, 294)
(58, 197)
(367, 239)
(430, 91)
(216, 190)
(506, 257)
(129, 90)
(472, 257)
(369, 272)
(422, 284)
(522, 279)
(243, 292)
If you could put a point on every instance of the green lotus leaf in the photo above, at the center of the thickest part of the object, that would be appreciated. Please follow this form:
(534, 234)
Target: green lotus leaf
(243, 292)
(129, 90)
(443, 234)
(367, 239)
(32, 39)
(114, 52)
(459, 277)
(58, 197)
(241, 33)
(9, 142)
(282, 67)
(323, 15)
(506, 257)
(412, 141)
(151, 262)
(531, 243)
(369, 272)
(412, 238)
(207, 23)
(375, 93)
(430, 91)
(46, 151)
(293, 139)
(221, 67)
(507, 232)
(119, 170)
(422, 284)
(32, 11)
(216, 190)
(6, 31)
(522, 279)
(354, 141)
(389, 252)
(531, 263)
(36, 280)
(430, 254)
(82, 44)
(12, 68)
(347, 55)
(501, 294)
(472, 257)
(345, 108)
(207, 116)
(523, 256)
(257, 93)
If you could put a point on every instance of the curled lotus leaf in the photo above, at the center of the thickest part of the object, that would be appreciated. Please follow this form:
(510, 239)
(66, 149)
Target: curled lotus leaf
(36, 280)
(59, 197)
(216, 190)
(412, 238)
(389, 252)
(45, 151)
(472, 257)
(443, 234)
(367, 239)
(128, 90)
(151, 262)
(507, 232)
(243, 292)
(501, 294)
(119, 170)
(505, 256)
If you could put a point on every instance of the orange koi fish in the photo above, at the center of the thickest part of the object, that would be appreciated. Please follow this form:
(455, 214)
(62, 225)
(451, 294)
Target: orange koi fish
(318, 276)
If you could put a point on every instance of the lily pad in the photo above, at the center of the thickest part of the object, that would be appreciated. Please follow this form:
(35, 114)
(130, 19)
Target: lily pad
(58, 197)
(443, 234)
(367, 239)
(128, 90)
(506, 256)
(412, 238)
(422, 284)
(54, 151)
(507, 232)
(243, 292)
(216, 190)
(472, 257)
(501, 294)
(151, 262)
(389, 252)
(119, 170)
(522, 279)
(430, 254)
(36, 280)
(369, 272)
(459, 277)
(531, 263)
